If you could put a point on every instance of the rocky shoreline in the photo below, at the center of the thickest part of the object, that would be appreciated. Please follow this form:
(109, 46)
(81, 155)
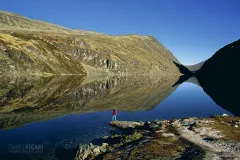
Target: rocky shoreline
(217, 137)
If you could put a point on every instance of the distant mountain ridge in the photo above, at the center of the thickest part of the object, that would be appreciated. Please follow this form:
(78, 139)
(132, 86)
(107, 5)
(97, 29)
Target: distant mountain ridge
(195, 67)
(12, 21)
(37, 47)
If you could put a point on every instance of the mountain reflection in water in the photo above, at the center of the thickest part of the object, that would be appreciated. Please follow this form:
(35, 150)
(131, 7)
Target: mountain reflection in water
(46, 98)
(24, 100)
(84, 107)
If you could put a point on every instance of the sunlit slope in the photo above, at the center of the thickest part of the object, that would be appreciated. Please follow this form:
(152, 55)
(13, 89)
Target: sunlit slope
(12, 21)
(38, 47)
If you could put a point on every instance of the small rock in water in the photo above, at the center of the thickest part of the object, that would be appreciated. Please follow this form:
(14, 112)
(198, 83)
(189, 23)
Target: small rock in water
(104, 144)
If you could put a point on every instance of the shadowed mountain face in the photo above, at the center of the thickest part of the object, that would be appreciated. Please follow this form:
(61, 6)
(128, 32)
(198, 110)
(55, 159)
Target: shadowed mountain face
(27, 100)
(219, 77)
(187, 78)
(183, 69)
(35, 47)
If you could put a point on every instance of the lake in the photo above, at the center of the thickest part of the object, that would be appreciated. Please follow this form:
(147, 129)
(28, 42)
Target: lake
(66, 111)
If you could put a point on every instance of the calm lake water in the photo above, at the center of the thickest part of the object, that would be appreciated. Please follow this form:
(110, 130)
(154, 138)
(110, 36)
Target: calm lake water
(72, 111)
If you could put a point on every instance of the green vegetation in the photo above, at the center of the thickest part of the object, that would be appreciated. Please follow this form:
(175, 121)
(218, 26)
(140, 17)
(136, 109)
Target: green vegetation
(135, 136)
(156, 149)
(226, 126)
(37, 47)
(12, 21)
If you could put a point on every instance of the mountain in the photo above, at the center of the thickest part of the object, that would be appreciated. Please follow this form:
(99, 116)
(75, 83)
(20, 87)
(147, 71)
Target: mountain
(12, 21)
(219, 77)
(195, 67)
(35, 47)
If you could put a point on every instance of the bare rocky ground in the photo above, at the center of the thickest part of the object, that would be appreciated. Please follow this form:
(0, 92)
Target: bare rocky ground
(217, 137)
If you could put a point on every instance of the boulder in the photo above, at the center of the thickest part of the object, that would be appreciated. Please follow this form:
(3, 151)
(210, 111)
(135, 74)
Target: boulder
(168, 135)
(104, 144)
(156, 125)
(126, 124)
(225, 115)
(188, 121)
(84, 151)
(96, 151)
(89, 150)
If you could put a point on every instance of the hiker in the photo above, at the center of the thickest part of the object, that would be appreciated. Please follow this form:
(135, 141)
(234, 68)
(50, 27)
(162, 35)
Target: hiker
(115, 112)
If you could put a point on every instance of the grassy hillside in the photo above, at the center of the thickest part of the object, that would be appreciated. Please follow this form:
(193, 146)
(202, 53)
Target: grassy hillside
(12, 21)
(32, 46)
(23, 53)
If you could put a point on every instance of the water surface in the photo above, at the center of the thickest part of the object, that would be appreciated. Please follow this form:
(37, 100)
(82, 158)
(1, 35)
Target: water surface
(66, 111)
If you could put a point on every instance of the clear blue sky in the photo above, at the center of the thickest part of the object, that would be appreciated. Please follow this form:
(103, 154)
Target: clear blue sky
(192, 29)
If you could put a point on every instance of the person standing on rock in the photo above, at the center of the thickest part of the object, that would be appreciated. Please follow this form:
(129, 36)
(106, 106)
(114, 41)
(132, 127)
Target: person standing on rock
(114, 117)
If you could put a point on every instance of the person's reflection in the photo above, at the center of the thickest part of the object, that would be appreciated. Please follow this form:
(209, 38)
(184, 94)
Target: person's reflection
(114, 113)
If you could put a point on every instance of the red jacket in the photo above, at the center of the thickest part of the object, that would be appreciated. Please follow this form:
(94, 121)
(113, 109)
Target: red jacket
(115, 112)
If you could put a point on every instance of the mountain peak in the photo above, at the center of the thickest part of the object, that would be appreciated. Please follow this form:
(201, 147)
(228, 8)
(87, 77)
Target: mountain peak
(12, 21)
